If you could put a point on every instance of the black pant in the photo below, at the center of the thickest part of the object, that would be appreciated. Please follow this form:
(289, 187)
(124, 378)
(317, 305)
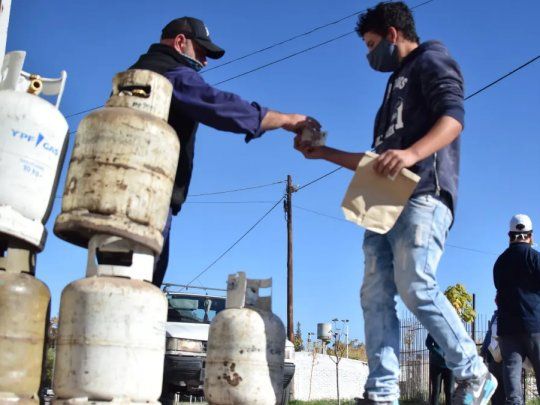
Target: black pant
(496, 369)
(162, 260)
(438, 375)
(514, 350)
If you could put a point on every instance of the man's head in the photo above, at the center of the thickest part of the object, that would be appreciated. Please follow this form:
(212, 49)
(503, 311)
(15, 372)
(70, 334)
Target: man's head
(389, 33)
(520, 229)
(190, 37)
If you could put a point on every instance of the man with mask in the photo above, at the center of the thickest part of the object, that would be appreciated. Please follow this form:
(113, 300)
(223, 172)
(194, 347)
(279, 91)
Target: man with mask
(517, 279)
(181, 53)
(417, 127)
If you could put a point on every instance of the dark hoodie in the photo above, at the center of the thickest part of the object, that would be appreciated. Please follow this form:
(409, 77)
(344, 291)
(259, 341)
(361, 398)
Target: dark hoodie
(517, 279)
(194, 101)
(427, 86)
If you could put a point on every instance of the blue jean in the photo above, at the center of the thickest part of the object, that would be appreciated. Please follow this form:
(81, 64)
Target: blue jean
(514, 350)
(404, 261)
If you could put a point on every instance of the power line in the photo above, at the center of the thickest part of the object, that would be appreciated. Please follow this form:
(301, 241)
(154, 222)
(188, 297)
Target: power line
(254, 69)
(485, 252)
(229, 202)
(471, 250)
(84, 111)
(238, 189)
(303, 50)
(218, 202)
(319, 178)
(503, 77)
(297, 36)
(274, 45)
(320, 213)
(236, 242)
(292, 55)
(229, 191)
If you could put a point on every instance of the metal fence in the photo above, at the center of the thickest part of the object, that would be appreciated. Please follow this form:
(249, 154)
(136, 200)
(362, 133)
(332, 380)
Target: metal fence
(414, 359)
(530, 392)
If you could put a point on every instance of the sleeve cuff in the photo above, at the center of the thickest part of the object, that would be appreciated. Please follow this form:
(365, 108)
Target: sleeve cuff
(457, 113)
(259, 131)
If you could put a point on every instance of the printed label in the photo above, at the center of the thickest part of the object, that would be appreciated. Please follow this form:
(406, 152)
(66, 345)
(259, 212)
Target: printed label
(39, 141)
(31, 168)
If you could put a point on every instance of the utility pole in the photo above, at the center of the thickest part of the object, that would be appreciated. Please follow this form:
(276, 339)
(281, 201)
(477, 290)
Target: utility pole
(309, 341)
(288, 216)
(346, 322)
(473, 325)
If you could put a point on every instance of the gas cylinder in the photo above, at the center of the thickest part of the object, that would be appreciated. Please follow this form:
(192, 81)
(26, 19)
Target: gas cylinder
(123, 165)
(24, 304)
(111, 331)
(246, 346)
(32, 147)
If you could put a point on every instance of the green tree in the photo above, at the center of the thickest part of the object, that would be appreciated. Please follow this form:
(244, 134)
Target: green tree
(50, 355)
(50, 350)
(298, 341)
(461, 300)
(357, 351)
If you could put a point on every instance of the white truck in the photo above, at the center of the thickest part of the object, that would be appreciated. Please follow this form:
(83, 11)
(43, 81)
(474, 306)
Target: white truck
(188, 323)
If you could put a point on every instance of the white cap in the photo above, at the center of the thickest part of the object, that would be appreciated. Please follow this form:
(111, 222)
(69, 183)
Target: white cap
(520, 223)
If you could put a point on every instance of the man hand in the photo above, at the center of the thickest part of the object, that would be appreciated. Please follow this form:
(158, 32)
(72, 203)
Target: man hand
(309, 151)
(392, 161)
(297, 122)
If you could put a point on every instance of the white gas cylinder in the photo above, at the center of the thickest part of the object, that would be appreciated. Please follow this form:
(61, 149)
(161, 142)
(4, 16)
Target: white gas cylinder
(246, 346)
(32, 146)
(111, 334)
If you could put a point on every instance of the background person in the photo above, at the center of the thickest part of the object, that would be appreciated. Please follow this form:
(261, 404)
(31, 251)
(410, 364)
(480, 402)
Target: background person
(517, 279)
(494, 365)
(439, 374)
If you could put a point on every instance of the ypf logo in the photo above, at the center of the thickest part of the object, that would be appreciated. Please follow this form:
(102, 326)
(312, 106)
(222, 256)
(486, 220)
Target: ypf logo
(38, 141)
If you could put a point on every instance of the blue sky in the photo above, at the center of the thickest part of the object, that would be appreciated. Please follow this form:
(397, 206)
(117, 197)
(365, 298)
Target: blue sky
(500, 146)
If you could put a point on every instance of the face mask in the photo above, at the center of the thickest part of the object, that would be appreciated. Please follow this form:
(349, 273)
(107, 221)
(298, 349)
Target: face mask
(384, 57)
(193, 63)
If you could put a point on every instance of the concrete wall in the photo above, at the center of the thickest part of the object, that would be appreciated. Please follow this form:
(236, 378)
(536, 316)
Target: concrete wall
(352, 377)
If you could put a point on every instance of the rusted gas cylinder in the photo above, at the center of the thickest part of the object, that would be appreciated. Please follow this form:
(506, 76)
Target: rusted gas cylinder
(123, 165)
(111, 340)
(246, 348)
(111, 331)
(24, 303)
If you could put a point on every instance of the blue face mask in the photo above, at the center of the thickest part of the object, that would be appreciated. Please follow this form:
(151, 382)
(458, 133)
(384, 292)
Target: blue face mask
(195, 64)
(384, 57)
